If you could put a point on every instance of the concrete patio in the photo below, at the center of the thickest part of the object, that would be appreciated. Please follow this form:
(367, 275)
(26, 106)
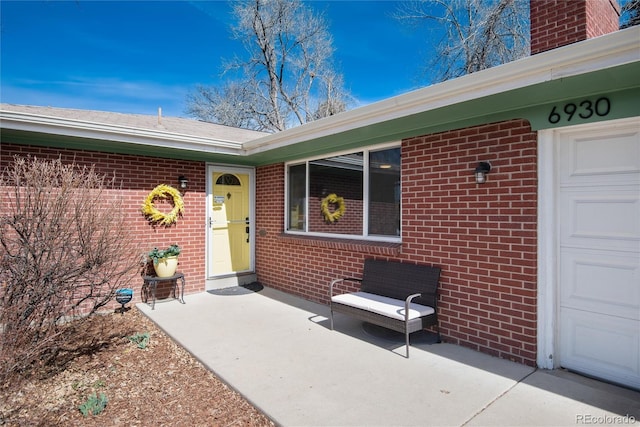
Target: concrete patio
(277, 351)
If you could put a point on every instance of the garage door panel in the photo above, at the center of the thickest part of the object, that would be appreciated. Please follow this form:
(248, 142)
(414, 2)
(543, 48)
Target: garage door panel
(589, 160)
(610, 218)
(602, 283)
(601, 345)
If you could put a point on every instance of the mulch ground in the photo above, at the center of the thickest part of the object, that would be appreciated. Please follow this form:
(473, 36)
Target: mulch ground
(159, 384)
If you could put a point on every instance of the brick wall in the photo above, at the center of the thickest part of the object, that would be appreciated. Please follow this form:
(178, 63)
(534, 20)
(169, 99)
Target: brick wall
(139, 175)
(603, 17)
(483, 236)
(556, 23)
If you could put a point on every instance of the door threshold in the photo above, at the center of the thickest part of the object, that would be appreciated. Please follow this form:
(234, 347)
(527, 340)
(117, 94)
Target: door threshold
(229, 281)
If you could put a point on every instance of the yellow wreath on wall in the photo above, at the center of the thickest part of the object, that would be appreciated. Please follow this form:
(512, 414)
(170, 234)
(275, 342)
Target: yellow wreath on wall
(163, 191)
(333, 199)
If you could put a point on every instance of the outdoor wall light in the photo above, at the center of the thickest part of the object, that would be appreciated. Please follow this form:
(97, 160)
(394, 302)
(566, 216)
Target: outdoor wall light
(183, 182)
(481, 172)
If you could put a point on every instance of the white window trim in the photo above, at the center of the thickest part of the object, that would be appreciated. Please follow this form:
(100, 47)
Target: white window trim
(365, 195)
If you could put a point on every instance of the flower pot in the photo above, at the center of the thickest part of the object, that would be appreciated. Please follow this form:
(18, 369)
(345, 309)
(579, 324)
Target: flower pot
(166, 267)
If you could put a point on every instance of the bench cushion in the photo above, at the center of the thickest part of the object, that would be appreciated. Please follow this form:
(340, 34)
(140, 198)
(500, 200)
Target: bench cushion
(385, 306)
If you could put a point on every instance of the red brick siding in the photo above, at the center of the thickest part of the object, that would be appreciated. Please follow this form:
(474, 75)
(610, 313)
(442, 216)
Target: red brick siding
(556, 23)
(603, 17)
(139, 175)
(483, 236)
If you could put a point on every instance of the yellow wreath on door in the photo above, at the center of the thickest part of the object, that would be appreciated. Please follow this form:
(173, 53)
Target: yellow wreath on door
(163, 191)
(333, 199)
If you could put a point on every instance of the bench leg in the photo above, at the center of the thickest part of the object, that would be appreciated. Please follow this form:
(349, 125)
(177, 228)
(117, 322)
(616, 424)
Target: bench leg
(406, 334)
(331, 318)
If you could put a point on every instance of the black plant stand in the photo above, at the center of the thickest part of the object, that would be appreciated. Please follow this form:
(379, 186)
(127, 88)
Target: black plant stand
(151, 283)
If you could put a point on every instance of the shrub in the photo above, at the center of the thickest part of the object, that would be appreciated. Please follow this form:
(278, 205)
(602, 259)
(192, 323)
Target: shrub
(65, 249)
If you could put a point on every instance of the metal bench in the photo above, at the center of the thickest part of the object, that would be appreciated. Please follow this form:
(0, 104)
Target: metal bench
(398, 296)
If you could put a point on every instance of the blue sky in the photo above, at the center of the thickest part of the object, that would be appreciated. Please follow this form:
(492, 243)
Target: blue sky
(136, 56)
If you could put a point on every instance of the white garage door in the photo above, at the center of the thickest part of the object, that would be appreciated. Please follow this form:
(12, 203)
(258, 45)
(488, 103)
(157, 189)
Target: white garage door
(599, 279)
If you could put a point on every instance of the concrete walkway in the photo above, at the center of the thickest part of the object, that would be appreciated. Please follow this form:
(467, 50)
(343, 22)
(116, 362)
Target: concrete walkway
(279, 353)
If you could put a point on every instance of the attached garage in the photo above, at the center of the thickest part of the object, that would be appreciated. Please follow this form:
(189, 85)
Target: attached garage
(596, 199)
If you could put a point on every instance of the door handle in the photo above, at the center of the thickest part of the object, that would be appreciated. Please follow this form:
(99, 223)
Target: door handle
(247, 229)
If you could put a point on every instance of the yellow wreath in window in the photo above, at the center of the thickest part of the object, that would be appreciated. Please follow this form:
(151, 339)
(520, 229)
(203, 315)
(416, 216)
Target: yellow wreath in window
(163, 191)
(333, 199)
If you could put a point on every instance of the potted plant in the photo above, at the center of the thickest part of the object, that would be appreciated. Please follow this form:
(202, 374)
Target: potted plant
(165, 261)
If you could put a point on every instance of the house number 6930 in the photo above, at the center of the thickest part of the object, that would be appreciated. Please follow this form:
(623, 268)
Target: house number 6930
(584, 110)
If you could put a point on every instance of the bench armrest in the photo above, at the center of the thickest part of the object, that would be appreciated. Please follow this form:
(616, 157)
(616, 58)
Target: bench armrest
(407, 303)
(336, 281)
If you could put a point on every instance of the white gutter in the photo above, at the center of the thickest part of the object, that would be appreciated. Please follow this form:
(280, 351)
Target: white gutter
(611, 50)
(111, 132)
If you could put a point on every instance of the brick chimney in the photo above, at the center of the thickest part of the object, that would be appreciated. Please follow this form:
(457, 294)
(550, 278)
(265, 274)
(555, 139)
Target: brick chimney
(556, 23)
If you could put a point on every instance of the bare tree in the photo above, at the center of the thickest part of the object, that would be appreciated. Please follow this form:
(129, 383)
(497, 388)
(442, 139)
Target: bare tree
(288, 77)
(64, 250)
(229, 105)
(630, 14)
(477, 34)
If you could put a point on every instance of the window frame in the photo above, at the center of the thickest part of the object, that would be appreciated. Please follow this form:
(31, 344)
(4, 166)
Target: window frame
(365, 196)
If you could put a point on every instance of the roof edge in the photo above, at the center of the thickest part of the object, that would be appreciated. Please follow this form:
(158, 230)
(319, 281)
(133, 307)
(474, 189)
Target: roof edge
(48, 124)
(611, 50)
(607, 51)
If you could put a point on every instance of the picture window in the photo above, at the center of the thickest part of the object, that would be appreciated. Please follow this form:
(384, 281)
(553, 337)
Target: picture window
(368, 184)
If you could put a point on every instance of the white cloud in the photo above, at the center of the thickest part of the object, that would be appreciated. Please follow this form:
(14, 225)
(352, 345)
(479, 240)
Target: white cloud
(100, 93)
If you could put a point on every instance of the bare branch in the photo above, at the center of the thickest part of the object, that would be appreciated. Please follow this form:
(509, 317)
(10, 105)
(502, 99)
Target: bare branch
(630, 13)
(64, 250)
(287, 77)
(476, 34)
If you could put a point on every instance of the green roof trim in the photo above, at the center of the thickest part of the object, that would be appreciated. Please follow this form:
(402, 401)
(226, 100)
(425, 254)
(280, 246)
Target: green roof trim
(587, 97)
(533, 103)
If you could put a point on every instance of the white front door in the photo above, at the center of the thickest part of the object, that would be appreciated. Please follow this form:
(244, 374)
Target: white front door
(599, 251)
